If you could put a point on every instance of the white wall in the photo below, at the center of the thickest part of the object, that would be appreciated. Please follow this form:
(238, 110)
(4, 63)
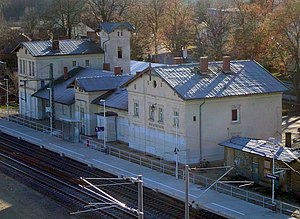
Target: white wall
(111, 42)
(260, 117)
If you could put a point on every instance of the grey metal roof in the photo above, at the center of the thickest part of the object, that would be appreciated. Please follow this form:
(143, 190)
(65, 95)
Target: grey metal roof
(65, 94)
(109, 27)
(117, 99)
(262, 148)
(102, 83)
(139, 66)
(66, 47)
(246, 77)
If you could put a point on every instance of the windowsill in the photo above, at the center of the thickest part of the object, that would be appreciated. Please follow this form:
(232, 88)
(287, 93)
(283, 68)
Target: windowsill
(161, 122)
(235, 122)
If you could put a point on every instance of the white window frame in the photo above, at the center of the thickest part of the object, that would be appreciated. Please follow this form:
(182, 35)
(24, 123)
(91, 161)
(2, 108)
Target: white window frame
(136, 108)
(87, 62)
(238, 114)
(151, 112)
(74, 63)
(160, 114)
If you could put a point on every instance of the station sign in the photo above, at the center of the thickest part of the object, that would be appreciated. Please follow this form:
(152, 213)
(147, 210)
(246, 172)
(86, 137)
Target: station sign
(271, 176)
(99, 129)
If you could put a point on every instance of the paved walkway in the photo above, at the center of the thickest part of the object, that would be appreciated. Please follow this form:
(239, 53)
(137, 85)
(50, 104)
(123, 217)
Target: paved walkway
(213, 201)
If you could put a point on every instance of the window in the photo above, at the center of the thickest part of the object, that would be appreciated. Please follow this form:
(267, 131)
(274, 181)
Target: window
(42, 83)
(135, 86)
(64, 109)
(30, 68)
(154, 83)
(33, 69)
(194, 118)
(151, 112)
(235, 115)
(24, 67)
(176, 118)
(160, 115)
(74, 63)
(119, 52)
(136, 109)
(87, 63)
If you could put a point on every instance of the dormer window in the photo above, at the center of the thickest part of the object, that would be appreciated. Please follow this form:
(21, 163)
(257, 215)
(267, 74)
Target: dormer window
(120, 55)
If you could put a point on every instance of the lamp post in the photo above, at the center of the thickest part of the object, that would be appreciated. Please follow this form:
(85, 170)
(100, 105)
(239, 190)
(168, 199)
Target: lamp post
(104, 139)
(7, 101)
(51, 116)
(187, 179)
(176, 150)
(273, 168)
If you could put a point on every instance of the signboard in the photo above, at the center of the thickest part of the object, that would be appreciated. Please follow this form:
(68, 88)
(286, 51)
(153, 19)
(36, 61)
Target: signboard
(271, 176)
(48, 109)
(99, 129)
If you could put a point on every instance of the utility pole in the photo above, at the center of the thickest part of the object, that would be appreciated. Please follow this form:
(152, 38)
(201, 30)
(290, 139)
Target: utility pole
(140, 197)
(52, 103)
(187, 179)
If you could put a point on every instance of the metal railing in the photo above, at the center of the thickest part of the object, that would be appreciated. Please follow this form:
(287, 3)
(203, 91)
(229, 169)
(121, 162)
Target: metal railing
(195, 178)
(161, 166)
(35, 125)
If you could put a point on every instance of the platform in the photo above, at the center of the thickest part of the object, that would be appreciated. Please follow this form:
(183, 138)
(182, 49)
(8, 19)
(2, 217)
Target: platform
(213, 201)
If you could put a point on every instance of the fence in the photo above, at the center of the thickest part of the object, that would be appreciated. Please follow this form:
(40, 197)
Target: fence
(35, 125)
(161, 166)
(227, 189)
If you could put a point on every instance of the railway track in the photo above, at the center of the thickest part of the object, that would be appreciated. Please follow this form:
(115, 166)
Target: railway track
(69, 171)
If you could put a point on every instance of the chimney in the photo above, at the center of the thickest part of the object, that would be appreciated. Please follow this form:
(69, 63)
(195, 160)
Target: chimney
(177, 60)
(55, 45)
(226, 64)
(288, 139)
(106, 66)
(91, 35)
(118, 70)
(203, 64)
(66, 75)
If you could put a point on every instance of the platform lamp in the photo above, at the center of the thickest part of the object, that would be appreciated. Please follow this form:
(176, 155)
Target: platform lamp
(104, 139)
(51, 110)
(7, 100)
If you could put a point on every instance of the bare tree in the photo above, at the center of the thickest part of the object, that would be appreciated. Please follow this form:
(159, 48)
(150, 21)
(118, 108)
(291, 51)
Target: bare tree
(108, 10)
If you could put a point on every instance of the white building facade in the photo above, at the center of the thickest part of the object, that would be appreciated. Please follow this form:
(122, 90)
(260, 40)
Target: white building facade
(209, 109)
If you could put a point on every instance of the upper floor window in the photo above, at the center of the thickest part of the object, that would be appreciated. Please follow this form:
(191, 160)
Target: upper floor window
(30, 68)
(136, 109)
(235, 115)
(151, 112)
(160, 114)
(33, 69)
(74, 63)
(120, 55)
(87, 63)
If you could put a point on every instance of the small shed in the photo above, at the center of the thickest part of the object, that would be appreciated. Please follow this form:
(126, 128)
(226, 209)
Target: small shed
(111, 127)
(71, 130)
(252, 158)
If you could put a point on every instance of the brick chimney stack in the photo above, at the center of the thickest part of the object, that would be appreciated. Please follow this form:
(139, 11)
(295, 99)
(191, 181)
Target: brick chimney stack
(226, 64)
(118, 70)
(204, 64)
(55, 45)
